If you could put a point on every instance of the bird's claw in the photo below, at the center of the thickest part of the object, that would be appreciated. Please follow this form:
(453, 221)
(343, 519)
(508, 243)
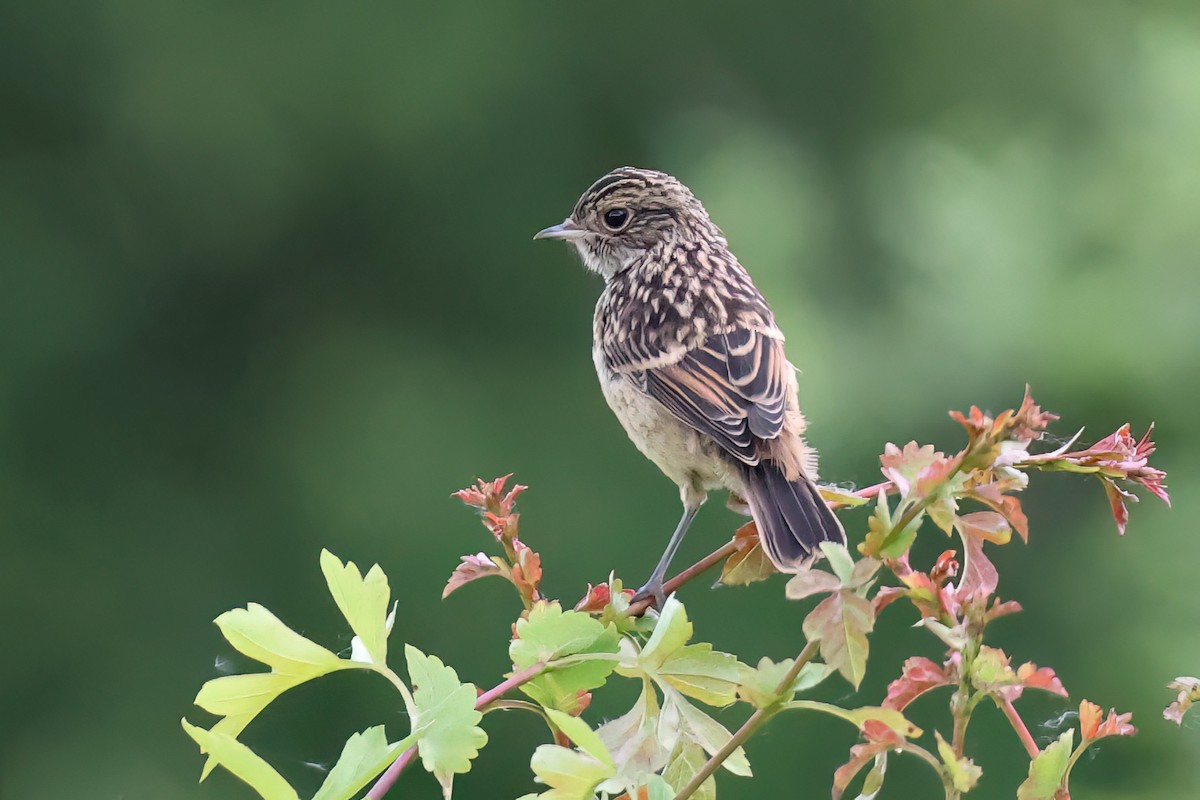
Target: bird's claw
(654, 591)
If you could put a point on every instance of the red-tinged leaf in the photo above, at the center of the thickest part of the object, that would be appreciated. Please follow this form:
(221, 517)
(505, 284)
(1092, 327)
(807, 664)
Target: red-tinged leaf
(749, 563)
(489, 495)
(975, 421)
(527, 572)
(1116, 499)
(1032, 676)
(1006, 505)
(1093, 725)
(472, 568)
(596, 598)
(1090, 715)
(840, 623)
(1030, 421)
(926, 595)
(919, 676)
(945, 568)
(860, 756)
(979, 574)
(1189, 693)
(885, 596)
(902, 467)
(1001, 609)
(810, 581)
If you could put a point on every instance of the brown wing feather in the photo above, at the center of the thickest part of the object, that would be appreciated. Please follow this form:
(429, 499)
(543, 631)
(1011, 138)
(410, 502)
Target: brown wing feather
(738, 388)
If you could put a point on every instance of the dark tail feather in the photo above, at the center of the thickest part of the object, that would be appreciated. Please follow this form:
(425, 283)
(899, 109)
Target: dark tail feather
(792, 518)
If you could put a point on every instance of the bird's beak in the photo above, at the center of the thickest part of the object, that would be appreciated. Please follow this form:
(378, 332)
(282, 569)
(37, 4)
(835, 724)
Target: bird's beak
(566, 230)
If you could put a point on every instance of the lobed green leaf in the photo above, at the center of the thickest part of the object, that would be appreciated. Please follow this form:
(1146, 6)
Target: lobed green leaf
(243, 762)
(446, 719)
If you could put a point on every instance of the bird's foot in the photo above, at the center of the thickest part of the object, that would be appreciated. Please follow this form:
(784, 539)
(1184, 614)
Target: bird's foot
(654, 591)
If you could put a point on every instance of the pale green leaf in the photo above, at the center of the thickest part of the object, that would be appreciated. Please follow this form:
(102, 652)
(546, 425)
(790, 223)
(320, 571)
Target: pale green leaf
(860, 716)
(698, 671)
(549, 633)
(584, 737)
(242, 762)
(259, 634)
(365, 756)
(446, 719)
(840, 560)
(759, 685)
(685, 762)
(636, 742)
(963, 772)
(708, 733)
(658, 789)
(873, 783)
(671, 632)
(840, 623)
(363, 601)
(1047, 770)
(570, 774)
(238, 695)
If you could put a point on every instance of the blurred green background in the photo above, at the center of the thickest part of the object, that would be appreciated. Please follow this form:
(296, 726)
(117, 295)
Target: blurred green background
(268, 286)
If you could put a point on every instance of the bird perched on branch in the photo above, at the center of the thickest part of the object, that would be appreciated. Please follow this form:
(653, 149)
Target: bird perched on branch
(692, 363)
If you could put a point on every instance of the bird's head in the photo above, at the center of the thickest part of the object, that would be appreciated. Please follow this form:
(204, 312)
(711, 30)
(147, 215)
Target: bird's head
(628, 213)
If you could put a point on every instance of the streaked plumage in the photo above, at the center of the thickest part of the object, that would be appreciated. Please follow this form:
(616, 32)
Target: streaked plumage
(692, 363)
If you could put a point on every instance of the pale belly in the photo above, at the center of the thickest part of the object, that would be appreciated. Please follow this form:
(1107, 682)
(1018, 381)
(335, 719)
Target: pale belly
(685, 456)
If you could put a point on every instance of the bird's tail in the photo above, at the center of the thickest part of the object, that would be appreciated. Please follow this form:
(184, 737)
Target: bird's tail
(792, 518)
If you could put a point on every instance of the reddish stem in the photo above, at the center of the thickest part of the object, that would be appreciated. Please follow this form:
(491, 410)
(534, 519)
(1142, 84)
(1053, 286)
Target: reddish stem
(391, 774)
(1019, 726)
(388, 778)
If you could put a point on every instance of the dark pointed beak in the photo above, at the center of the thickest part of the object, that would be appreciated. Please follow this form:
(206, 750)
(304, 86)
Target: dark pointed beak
(566, 230)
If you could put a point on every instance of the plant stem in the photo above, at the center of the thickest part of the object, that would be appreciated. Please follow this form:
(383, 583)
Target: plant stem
(507, 685)
(391, 774)
(388, 778)
(749, 727)
(1019, 726)
(703, 565)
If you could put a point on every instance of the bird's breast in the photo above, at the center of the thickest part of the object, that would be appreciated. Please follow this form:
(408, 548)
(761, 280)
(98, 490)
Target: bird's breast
(683, 454)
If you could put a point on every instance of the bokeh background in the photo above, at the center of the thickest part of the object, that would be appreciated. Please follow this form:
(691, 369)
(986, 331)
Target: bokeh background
(267, 286)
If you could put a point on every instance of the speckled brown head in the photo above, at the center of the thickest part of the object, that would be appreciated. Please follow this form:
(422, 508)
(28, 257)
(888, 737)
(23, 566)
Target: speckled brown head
(628, 213)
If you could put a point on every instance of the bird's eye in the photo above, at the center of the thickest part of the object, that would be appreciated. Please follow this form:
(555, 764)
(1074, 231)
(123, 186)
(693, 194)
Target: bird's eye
(616, 218)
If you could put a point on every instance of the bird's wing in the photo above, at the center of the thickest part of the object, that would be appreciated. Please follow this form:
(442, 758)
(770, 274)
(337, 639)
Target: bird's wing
(734, 387)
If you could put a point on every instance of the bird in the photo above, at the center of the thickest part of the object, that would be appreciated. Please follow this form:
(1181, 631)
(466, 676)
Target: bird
(692, 363)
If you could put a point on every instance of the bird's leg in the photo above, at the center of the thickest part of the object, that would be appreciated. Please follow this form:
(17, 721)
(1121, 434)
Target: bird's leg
(654, 587)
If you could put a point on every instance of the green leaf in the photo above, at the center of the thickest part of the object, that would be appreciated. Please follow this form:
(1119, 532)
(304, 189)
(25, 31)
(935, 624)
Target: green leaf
(446, 717)
(758, 687)
(708, 733)
(873, 783)
(859, 717)
(570, 774)
(364, 756)
(242, 762)
(882, 539)
(549, 633)
(1047, 770)
(749, 563)
(362, 601)
(840, 623)
(671, 632)
(698, 671)
(259, 634)
(963, 772)
(584, 737)
(685, 762)
(636, 741)
(840, 560)
(658, 789)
